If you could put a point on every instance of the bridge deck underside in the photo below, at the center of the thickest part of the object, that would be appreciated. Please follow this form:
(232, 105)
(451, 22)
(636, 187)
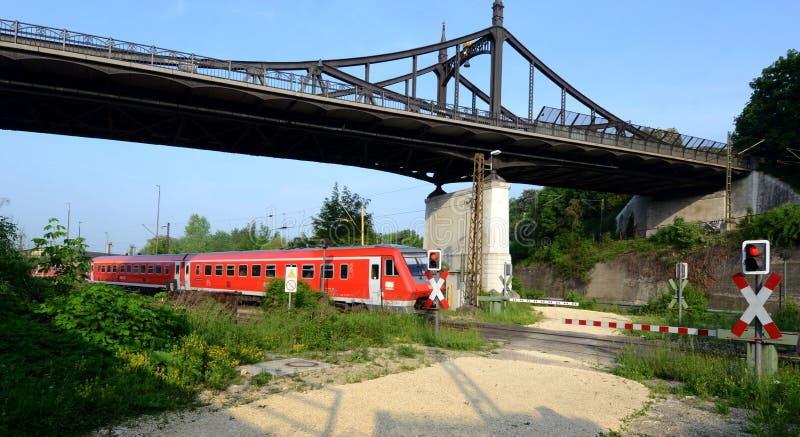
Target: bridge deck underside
(43, 92)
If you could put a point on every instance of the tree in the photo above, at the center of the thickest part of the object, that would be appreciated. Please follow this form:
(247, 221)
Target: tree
(773, 114)
(66, 258)
(406, 237)
(196, 234)
(339, 218)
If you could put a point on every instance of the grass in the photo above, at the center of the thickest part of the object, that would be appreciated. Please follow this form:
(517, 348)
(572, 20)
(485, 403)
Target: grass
(54, 382)
(775, 399)
(513, 313)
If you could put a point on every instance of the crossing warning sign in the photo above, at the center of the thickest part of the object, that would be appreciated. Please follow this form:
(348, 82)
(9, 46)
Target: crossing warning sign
(436, 297)
(755, 307)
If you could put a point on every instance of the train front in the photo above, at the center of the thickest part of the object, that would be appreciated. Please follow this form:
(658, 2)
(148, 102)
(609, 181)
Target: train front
(419, 285)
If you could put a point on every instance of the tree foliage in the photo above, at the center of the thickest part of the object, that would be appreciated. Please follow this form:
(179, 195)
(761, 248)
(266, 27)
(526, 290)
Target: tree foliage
(773, 114)
(781, 226)
(406, 237)
(197, 238)
(64, 257)
(538, 217)
(339, 218)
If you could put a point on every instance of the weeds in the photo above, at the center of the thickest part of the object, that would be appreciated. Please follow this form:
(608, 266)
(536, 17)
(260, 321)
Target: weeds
(775, 399)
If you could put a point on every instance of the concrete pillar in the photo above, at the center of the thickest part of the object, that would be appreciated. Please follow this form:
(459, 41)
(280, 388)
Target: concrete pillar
(447, 218)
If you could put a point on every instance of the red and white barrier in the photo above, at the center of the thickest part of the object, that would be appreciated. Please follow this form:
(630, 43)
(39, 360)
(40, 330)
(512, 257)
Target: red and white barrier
(640, 327)
(546, 302)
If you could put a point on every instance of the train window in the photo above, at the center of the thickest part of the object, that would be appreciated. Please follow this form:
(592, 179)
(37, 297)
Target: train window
(102, 269)
(166, 269)
(218, 270)
(197, 270)
(375, 271)
(343, 270)
(255, 270)
(230, 270)
(308, 271)
(327, 271)
(150, 269)
(136, 268)
(269, 271)
(207, 270)
(142, 268)
(158, 269)
(128, 268)
(115, 268)
(389, 268)
(242, 269)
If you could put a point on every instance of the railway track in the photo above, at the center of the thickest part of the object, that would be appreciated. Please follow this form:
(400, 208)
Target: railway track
(602, 347)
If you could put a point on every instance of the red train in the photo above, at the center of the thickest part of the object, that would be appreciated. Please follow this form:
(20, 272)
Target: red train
(371, 276)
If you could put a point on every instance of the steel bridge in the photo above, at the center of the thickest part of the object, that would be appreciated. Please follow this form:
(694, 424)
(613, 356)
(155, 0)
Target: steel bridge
(71, 83)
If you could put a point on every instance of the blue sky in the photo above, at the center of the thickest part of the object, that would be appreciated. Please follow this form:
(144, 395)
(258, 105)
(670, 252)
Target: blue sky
(682, 64)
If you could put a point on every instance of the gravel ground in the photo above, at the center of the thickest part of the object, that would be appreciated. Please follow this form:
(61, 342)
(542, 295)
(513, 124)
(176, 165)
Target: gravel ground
(463, 396)
(511, 392)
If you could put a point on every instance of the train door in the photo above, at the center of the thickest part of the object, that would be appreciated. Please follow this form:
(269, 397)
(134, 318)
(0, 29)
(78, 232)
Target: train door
(375, 292)
(187, 271)
(177, 273)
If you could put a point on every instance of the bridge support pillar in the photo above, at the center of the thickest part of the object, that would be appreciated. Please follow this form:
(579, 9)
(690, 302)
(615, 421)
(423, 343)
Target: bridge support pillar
(447, 218)
(756, 193)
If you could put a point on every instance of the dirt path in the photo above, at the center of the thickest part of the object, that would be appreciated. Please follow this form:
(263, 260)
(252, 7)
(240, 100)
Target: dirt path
(464, 396)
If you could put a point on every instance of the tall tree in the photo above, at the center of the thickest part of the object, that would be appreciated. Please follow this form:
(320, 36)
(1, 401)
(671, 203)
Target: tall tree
(773, 114)
(406, 237)
(339, 218)
(196, 234)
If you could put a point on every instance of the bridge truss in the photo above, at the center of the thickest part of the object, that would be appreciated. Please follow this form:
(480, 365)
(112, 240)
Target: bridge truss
(545, 142)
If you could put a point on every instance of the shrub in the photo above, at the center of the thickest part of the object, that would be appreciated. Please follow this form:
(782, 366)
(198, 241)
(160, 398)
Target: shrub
(695, 299)
(275, 295)
(788, 316)
(781, 226)
(112, 318)
(680, 234)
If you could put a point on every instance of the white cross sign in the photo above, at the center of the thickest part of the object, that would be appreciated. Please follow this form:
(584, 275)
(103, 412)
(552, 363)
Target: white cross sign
(436, 293)
(755, 306)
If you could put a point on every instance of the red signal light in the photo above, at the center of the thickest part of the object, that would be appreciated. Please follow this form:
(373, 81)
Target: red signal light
(752, 250)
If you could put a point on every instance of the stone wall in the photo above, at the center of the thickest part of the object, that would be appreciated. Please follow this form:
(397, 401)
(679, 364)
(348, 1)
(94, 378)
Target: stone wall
(636, 279)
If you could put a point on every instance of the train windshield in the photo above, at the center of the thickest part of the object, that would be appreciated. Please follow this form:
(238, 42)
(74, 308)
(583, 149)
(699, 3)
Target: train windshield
(417, 265)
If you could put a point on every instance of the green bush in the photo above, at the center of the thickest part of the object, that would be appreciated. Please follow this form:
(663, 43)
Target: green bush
(695, 299)
(788, 316)
(112, 318)
(516, 285)
(680, 234)
(275, 295)
(781, 226)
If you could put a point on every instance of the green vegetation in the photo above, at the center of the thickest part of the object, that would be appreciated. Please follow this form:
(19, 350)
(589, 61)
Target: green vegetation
(773, 115)
(339, 218)
(77, 357)
(775, 399)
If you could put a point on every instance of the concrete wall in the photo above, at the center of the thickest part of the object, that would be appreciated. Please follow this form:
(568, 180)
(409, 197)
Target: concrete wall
(447, 218)
(633, 279)
(757, 192)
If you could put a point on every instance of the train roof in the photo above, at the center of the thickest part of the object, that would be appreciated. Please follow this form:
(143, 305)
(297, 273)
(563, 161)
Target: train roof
(182, 256)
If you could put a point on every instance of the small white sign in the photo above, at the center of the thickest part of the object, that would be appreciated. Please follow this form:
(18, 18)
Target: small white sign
(290, 284)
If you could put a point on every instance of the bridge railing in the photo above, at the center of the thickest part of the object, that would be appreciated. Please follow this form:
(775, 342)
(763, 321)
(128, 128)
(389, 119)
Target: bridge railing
(550, 121)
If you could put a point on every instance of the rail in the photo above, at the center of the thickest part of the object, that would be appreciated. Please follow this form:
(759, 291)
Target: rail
(550, 121)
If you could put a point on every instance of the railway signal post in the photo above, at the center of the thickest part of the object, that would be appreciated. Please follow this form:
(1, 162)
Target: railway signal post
(755, 261)
(436, 300)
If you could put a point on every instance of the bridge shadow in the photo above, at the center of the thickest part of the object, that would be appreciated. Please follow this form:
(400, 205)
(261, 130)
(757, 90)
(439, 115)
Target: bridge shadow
(447, 399)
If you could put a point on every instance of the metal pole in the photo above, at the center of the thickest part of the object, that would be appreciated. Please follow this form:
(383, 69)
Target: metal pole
(759, 334)
(680, 301)
(68, 218)
(362, 223)
(436, 331)
(158, 215)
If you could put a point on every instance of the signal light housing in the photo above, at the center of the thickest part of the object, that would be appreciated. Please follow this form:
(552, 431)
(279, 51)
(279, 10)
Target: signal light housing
(755, 257)
(434, 260)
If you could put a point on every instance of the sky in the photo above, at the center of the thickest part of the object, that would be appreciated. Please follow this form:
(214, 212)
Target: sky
(681, 64)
